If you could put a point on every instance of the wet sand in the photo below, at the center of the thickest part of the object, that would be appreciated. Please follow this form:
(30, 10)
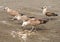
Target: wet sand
(50, 31)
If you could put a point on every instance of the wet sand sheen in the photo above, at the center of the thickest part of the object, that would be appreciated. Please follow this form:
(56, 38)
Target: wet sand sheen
(31, 8)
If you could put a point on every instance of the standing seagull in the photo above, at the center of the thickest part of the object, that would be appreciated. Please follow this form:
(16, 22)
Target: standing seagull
(34, 22)
(25, 17)
(47, 13)
(13, 13)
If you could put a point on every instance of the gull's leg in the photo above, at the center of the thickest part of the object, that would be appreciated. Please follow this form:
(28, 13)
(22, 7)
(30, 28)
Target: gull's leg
(32, 28)
(36, 27)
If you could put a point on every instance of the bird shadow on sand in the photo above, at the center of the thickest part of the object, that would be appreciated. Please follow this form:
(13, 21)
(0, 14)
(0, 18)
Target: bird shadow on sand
(38, 28)
(50, 18)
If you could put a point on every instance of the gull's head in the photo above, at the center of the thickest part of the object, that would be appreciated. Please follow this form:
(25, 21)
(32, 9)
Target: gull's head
(18, 17)
(6, 8)
(25, 23)
(45, 7)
